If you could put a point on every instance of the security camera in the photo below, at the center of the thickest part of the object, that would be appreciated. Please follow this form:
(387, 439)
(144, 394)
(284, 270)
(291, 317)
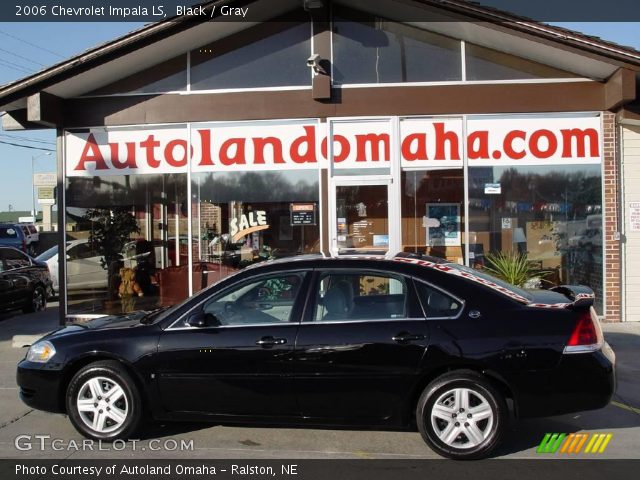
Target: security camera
(313, 60)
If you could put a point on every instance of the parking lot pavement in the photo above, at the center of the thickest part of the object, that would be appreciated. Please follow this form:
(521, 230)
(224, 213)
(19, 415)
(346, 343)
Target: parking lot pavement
(205, 441)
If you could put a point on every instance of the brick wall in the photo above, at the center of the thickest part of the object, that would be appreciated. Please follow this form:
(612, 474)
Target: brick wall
(610, 219)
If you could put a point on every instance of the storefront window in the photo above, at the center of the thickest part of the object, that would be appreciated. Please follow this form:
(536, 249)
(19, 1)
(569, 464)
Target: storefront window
(487, 64)
(383, 51)
(169, 76)
(433, 213)
(551, 214)
(126, 236)
(241, 218)
(276, 58)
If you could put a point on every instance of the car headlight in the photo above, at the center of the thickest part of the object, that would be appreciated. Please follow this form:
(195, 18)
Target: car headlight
(41, 352)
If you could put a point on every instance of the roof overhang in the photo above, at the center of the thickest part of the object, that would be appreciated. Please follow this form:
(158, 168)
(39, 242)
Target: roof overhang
(152, 44)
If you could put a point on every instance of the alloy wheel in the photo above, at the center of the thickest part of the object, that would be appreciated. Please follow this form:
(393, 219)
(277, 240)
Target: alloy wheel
(462, 418)
(102, 404)
(38, 300)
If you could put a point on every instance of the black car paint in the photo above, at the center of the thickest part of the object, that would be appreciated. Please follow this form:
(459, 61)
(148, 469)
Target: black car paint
(17, 285)
(337, 373)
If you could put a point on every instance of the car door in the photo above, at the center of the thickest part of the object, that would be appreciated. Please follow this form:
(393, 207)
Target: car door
(359, 348)
(240, 361)
(84, 269)
(5, 284)
(16, 276)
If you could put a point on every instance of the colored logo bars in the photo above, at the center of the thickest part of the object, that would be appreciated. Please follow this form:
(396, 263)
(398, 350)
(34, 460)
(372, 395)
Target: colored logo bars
(574, 443)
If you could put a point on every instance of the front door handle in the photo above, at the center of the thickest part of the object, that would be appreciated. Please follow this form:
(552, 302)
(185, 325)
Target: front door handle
(406, 337)
(270, 341)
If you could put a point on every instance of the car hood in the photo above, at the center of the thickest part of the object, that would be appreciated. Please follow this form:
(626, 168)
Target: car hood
(103, 323)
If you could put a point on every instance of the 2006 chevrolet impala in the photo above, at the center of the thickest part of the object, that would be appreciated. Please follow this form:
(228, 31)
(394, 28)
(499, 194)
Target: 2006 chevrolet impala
(321, 341)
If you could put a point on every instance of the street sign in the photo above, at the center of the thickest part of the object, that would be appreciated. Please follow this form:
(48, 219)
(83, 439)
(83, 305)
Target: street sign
(46, 196)
(48, 179)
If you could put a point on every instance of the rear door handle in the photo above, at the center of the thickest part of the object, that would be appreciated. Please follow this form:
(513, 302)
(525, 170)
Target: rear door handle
(270, 341)
(406, 337)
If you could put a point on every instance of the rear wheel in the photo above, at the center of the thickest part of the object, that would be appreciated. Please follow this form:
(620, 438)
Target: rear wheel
(461, 415)
(37, 301)
(103, 402)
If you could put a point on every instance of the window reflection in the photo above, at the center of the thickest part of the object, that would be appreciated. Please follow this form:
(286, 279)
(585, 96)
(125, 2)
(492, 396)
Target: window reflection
(383, 51)
(242, 218)
(551, 214)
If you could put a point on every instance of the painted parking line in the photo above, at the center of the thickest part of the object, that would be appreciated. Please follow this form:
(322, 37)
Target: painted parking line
(626, 407)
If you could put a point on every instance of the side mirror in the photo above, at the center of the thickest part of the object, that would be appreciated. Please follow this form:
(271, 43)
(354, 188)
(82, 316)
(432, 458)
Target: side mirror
(196, 319)
(200, 319)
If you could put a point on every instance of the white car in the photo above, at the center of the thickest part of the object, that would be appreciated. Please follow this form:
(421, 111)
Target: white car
(84, 269)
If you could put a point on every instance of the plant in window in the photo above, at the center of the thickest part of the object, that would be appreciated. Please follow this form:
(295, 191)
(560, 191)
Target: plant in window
(512, 267)
(110, 231)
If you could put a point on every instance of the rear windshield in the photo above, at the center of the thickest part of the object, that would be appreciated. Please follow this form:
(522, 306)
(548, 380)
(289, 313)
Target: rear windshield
(8, 232)
(491, 278)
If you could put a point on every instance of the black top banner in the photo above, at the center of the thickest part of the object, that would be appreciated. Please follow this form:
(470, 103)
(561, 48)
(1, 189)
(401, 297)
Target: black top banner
(238, 11)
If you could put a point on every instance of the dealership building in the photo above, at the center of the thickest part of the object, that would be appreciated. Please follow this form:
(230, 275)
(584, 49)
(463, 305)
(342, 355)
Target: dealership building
(190, 149)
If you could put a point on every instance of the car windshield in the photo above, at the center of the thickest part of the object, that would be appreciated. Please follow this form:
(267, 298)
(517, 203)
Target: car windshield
(491, 278)
(47, 254)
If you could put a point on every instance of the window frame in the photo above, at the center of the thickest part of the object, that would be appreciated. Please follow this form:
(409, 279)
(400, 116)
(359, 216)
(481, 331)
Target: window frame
(462, 302)
(413, 309)
(298, 303)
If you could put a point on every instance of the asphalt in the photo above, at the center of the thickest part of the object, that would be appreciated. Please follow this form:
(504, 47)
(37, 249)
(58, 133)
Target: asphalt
(621, 419)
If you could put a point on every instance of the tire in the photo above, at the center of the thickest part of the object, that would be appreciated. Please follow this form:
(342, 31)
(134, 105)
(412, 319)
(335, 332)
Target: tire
(89, 388)
(445, 416)
(37, 301)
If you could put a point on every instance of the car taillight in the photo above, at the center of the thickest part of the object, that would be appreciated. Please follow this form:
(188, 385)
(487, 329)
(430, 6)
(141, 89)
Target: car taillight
(587, 334)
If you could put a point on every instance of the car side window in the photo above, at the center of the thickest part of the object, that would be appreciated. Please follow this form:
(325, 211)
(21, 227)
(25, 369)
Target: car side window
(14, 259)
(360, 296)
(269, 299)
(436, 303)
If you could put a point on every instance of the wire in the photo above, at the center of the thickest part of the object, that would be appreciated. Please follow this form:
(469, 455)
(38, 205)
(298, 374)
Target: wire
(31, 44)
(15, 66)
(22, 58)
(26, 139)
(27, 146)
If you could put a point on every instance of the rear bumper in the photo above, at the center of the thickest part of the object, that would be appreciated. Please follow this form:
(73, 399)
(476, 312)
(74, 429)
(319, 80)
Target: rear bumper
(582, 381)
(40, 388)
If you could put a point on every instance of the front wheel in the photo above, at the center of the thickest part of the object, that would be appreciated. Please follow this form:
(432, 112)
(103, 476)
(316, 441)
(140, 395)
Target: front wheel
(37, 301)
(461, 416)
(103, 403)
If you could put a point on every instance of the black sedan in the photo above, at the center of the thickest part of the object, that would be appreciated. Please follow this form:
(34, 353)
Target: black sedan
(24, 281)
(352, 342)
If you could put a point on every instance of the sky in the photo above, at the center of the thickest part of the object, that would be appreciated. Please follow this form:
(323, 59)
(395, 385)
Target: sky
(28, 47)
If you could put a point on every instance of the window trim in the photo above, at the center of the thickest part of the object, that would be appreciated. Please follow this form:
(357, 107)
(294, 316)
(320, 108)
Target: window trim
(462, 303)
(312, 304)
(245, 281)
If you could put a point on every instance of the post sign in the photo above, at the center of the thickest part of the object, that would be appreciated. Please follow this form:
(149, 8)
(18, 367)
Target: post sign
(48, 179)
(303, 213)
(46, 196)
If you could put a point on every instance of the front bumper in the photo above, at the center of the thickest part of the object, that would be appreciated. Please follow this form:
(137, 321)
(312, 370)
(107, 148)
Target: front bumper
(582, 381)
(40, 388)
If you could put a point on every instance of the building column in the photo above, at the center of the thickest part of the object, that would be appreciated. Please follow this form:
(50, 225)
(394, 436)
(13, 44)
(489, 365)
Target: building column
(611, 221)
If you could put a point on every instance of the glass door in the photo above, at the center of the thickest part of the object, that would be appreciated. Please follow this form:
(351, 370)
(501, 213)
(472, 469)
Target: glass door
(362, 222)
